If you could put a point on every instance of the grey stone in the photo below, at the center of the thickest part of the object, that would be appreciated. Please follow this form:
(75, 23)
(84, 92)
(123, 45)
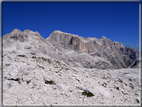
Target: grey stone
(114, 52)
(40, 72)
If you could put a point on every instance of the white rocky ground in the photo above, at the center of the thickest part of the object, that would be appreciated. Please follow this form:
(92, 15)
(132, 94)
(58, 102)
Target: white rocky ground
(33, 79)
(36, 73)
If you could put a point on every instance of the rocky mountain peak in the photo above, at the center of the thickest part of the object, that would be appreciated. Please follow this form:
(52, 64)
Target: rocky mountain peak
(103, 37)
(26, 31)
(17, 37)
(16, 34)
(16, 31)
(103, 47)
(31, 32)
(58, 31)
(118, 44)
(127, 47)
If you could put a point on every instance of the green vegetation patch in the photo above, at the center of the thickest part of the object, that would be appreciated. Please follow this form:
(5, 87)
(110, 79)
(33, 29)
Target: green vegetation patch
(33, 57)
(57, 62)
(120, 80)
(87, 93)
(66, 68)
(44, 59)
(21, 55)
(49, 82)
(28, 81)
(130, 79)
(137, 101)
(131, 85)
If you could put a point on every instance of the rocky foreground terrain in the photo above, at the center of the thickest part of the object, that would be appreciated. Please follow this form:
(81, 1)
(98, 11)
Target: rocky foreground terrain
(65, 69)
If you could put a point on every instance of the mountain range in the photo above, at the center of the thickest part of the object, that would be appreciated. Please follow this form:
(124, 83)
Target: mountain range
(68, 69)
(78, 48)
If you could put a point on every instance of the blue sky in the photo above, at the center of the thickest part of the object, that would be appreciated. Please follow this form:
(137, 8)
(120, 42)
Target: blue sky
(116, 21)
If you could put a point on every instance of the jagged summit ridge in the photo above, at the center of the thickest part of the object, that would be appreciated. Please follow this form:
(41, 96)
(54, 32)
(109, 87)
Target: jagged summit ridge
(60, 32)
(20, 36)
(83, 38)
(16, 30)
(113, 51)
(103, 37)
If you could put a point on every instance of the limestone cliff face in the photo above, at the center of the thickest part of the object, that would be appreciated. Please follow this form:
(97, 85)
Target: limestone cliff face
(115, 52)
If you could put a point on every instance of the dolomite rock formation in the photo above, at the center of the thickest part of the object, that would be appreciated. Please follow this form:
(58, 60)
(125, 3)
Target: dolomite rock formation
(136, 64)
(118, 55)
(34, 44)
(39, 72)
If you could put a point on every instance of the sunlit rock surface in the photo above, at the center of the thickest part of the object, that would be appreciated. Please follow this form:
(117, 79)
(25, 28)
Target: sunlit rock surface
(118, 55)
(38, 71)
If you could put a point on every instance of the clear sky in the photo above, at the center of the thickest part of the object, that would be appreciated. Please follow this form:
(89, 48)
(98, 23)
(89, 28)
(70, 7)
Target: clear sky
(116, 21)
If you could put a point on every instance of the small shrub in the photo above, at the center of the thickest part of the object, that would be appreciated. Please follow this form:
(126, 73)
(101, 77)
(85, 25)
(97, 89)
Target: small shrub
(117, 88)
(131, 85)
(75, 71)
(137, 101)
(120, 81)
(66, 69)
(87, 93)
(57, 71)
(28, 81)
(33, 57)
(44, 59)
(130, 79)
(57, 62)
(49, 82)
(21, 55)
